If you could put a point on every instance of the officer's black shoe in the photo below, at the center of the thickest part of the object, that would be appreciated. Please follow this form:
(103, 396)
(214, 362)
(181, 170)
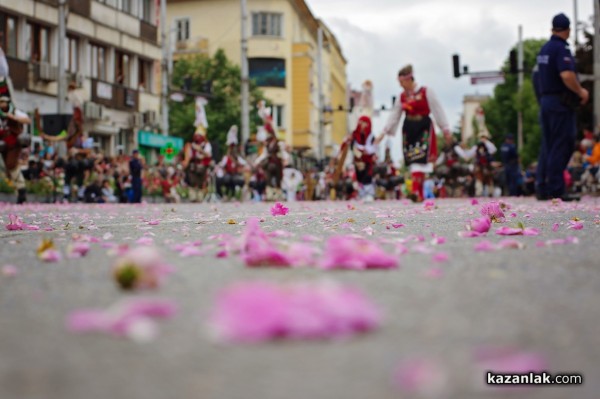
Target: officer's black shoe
(541, 197)
(21, 196)
(570, 197)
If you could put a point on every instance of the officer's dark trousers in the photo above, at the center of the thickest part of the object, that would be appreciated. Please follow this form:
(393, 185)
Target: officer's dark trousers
(511, 173)
(558, 142)
(136, 185)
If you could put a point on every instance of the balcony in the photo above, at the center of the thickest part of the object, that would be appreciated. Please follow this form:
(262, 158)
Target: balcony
(80, 7)
(148, 32)
(19, 73)
(115, 96)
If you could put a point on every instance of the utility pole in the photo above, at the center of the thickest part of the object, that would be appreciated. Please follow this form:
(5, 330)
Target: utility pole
(245, 78)
(321, 102)
(164, 69)
(62, 34)
(576, 23)
(520, 62)
(596, 65)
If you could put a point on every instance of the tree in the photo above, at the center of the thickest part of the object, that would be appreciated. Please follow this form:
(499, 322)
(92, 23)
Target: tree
(501, 110)
(197, 72)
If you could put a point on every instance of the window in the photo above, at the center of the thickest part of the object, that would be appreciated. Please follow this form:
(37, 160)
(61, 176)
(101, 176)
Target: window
(8, 34)
(146, 14)
(98, 62)
(125, 6)
(145, 75)
(269, 72)
(111, 3)
(266, 24)
(183, 29)
(278, 116)
(72, 50)
(37, 39)
(123, 69)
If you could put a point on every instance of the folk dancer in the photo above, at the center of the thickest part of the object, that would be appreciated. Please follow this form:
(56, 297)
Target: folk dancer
(481, 154)
(232, 165)
(12, 140)
(363, 148)
(196, 163)
(418, 133)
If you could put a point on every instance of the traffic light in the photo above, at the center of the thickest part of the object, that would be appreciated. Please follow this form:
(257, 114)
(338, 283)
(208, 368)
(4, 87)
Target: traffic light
(456, 65)
(207, 86)
(187, 83)
(514, 67)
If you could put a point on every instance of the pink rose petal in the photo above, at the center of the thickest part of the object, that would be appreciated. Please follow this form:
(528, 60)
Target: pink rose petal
(260, 311)
(9, 271)
(422, 377)
(279, 209)
(349, 252)
(575, 225)
(50, 256)
(485, 246)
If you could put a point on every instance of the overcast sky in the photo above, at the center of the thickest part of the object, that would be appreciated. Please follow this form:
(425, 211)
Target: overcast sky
(380, 36)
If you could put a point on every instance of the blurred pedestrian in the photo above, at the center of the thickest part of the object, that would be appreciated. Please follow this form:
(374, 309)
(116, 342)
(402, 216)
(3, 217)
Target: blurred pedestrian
(510, 160)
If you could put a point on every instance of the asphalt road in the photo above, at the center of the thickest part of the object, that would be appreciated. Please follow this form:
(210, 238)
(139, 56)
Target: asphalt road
(544, 300)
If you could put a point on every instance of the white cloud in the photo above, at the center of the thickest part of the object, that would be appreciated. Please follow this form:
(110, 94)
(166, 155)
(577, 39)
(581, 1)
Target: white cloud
(380, 36)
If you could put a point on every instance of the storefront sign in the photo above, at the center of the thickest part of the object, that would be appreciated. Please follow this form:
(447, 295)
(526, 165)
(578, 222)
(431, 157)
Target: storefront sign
(150, 139)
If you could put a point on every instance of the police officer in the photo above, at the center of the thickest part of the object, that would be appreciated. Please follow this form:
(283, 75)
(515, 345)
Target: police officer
(510, 160)
(560, 92)
(135, 169)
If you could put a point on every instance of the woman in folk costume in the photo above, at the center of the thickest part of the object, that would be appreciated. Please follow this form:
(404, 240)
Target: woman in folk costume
(232, 163)
(196, 163)
(363, 147)
(418, 133)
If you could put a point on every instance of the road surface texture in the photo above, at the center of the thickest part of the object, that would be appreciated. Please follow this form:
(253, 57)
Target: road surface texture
(443, 303)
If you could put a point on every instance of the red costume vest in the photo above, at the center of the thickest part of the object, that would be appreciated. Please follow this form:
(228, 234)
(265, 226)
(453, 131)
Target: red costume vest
(415, 104)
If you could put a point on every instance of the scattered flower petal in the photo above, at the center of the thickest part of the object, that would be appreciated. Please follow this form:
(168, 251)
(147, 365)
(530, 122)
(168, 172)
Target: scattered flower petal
(261, 311)
(279, 209)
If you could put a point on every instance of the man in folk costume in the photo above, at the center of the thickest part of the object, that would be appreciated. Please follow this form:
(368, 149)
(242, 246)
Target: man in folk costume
(232, 163)
(418, 133)
(196, 162)
(362, 143)
(271, 158)
(481, 154)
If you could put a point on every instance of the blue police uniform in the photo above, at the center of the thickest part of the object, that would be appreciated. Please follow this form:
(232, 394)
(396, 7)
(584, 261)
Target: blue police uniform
(557, 120)
(135, 168)
(510, 160)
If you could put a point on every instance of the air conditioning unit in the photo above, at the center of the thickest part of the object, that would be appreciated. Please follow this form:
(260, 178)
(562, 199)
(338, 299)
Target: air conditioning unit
(46, 72)
(77, 78)
(149, 118)
(92, 110)
(136, 119)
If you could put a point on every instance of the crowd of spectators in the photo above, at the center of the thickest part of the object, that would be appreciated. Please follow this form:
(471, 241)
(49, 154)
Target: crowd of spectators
(93, 177)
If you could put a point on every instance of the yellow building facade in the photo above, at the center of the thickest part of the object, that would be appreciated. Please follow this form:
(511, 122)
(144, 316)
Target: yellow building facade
(282, 55)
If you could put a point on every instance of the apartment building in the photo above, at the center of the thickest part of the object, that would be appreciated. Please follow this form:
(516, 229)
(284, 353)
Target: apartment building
(112, 54)
(283, 54)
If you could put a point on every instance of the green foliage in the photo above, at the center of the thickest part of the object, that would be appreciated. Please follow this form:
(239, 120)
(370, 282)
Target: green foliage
(224, 106)
(41, 187)
(6, 186)
(501, 110)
